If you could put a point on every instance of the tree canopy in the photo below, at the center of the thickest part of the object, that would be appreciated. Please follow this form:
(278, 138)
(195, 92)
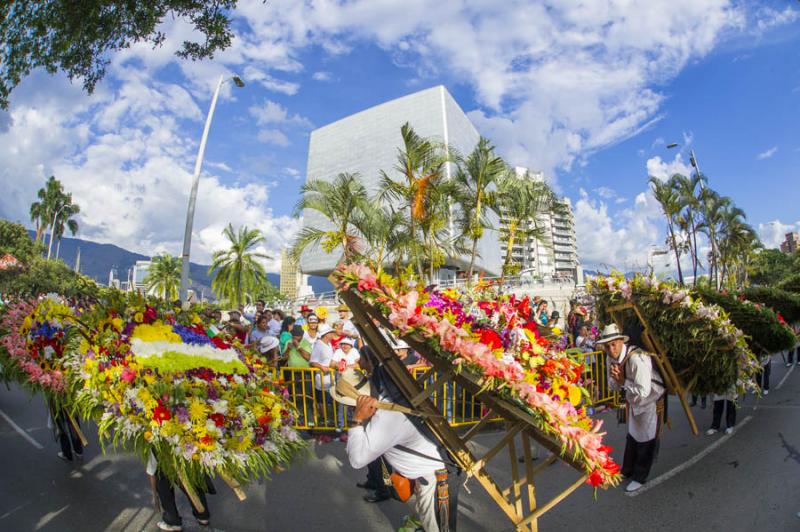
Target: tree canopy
(77, 37)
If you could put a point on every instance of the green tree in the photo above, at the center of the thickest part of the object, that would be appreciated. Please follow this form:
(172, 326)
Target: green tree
(668, 197)
(342, 204)
(687, 189)
(164, 277)
(522, 201)
(476, 179)
(386, 233)
(44, 208)
(77, 37)
(419, 192)
(237, 270)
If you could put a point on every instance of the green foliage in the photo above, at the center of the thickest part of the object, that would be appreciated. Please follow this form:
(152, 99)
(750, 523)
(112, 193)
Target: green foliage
(791, 284)
(770, 267)
(781, 301)
(42, 276)
(164, 277)
(765, 333)
(14, 239)
(237, 271)
(77, 37)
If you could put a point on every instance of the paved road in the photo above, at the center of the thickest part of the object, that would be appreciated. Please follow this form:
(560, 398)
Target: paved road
(748, 481)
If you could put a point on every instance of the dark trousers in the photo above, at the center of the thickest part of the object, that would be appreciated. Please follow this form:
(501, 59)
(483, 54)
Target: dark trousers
(790, 355)
(762, 377)
(638, 459)
(375, 476)
(730, 414)
(169, 510)
(67, 435)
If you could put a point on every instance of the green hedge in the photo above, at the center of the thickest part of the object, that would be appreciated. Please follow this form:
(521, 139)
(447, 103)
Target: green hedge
(781, 301)
(765, 334)
(791, 284)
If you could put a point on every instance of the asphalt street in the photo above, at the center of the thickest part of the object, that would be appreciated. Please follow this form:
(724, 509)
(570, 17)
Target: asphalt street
(747, 481)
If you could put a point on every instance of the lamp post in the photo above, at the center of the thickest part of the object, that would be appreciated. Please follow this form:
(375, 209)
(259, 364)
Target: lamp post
(52, 230)
(187, 235)
(653, 252)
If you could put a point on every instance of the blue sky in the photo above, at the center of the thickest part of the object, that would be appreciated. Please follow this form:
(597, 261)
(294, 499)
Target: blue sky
(590, 94)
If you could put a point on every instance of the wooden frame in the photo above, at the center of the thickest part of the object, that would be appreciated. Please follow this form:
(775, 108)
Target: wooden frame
(653, 345)
(518, 501)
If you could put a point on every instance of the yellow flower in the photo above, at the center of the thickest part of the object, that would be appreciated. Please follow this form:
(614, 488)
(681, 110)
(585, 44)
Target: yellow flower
(197, 410)
(148, 435)
(138, 317)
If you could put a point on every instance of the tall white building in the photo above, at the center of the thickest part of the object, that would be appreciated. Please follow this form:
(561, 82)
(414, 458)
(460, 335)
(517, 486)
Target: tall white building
(554, 256)
(294, 284)
(368, 142)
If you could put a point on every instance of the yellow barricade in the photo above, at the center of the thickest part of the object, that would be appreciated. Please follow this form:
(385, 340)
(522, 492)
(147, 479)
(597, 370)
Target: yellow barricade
(594, 372)
(308, 393)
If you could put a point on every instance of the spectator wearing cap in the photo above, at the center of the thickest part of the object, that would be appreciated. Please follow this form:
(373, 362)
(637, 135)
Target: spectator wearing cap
(338, 327)
(345, 357)
(348, 327)
(268, 347)
(305, 311)
(322, 359)
(404, 353)
(312, 329)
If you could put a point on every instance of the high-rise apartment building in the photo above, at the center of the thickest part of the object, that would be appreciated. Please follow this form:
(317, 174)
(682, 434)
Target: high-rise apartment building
(791, 244)
(555, 255)
(293, 283)
(368, 142)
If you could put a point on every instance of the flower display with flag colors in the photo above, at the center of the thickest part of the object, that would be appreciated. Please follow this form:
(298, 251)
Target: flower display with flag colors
(156, 382)
(493, 336)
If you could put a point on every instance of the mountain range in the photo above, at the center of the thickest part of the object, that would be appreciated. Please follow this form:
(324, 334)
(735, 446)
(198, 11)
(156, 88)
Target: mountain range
(97, 261)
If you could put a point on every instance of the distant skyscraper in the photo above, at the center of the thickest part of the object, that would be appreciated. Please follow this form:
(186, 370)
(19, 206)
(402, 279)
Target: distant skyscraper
(791, 244)
(557, 254)
(293, 283)
(368, 142)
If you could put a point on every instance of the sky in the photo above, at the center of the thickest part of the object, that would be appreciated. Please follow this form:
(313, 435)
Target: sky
(588, 92)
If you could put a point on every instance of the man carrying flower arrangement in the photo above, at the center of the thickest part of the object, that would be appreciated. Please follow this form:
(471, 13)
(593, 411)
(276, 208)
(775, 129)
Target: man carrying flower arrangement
(631, 370)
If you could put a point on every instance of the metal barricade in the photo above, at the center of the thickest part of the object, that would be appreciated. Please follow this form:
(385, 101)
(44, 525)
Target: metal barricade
(595, 374)
(308, 393)
(457, 405)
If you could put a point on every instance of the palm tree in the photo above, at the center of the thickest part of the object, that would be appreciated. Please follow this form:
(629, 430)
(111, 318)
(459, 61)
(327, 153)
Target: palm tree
(669, 199)
(714, 207)
(342, 202)
(237, 270)
(421, 163)
(64, 220)
(687, 190)
(386, 233)
(164, 277)
(736, 240)
(476, 178)
(42, 211)
(521, 203)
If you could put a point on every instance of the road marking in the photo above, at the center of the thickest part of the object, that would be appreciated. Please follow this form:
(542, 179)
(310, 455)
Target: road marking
(778, 387)
(21, 431)
(689, 463)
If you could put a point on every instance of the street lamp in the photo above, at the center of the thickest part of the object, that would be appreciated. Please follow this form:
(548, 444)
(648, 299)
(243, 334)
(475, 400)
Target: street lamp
(52, 230)
(653, 252)
(187, 235)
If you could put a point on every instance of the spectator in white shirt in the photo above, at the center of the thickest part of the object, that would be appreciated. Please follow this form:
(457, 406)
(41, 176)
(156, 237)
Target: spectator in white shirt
(348, 328)
(274, 325)
(344, 358)
(312, 329)
(322, 359)
(584, 340)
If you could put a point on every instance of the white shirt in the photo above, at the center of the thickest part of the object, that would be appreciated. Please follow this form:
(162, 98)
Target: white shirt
(385, 430)
(274, 327)
(641, 393)
(322, 354)
(350, 329)
(310, 339)
(350, 358)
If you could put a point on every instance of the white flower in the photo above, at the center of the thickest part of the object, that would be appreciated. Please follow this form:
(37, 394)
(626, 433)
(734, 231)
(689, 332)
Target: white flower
(220, 406)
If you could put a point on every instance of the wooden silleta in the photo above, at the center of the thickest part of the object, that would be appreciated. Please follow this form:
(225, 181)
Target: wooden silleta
(518, 501)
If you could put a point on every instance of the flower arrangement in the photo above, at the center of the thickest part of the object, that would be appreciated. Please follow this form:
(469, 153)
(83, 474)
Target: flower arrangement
(155, 381)
(765, 331)
(494, 338)
(785, 303)
(34, 345)
(706, 350)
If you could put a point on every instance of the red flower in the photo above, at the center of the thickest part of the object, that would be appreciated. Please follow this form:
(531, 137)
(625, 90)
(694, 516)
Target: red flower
(491, 339)
(218, 419)
(264, 420)
(150, 315)
(611, 467)
(595, 479)
(219, 343)
(161, 413)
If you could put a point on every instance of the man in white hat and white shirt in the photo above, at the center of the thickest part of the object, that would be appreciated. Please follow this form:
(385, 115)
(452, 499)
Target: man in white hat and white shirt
(631, 369)
(390, 434)
(322, 356)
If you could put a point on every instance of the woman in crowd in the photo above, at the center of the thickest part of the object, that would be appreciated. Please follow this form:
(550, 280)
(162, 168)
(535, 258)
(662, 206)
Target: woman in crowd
(286, 333)
(540, 316)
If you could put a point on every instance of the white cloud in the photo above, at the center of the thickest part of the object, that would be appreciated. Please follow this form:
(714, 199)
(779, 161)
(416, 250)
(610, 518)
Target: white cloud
(766, 154)
(773, 233)
(275, 117)
(663, 170)
(273, 136)
(620, 240)
(322, 76)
